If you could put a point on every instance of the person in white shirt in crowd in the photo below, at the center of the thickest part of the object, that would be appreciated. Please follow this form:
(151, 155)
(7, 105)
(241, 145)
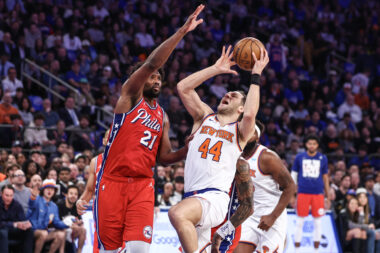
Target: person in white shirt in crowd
(350, 106)
(178, 190)
(71, 41)
(37, 132)
(100, 11)
(11, 83)
(360, 80)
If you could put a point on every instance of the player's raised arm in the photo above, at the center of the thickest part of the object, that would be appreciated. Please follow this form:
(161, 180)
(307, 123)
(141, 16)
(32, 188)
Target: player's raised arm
(88, 191)
(186, 87)
(271, 164)
(133, 87)
(251, 106)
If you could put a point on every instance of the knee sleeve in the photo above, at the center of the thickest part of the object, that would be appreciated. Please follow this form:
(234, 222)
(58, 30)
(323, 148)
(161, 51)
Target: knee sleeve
(136, 246)
(299, 227)
(317, 229)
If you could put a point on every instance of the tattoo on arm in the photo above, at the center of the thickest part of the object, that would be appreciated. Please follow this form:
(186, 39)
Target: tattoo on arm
(245, 190)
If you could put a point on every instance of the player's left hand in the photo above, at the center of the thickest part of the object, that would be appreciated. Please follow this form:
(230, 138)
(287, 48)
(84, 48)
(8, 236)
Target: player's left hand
(266, 222)
(192, 22)
(216, 241)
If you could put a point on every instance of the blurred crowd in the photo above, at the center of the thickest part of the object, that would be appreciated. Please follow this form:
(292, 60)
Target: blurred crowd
(323, 78)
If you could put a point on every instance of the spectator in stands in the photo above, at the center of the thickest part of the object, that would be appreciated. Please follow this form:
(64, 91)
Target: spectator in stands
(16, 149)
(351, 227)
(69, 114)
(218, 88)
(74, 76)
(21, 193)
(30, 168)
(42, 212)
(72, 42)
(11, 83)
(350, 107)
(51, 117)
(178, 190)
(80, 162)
(342, 94)
(376, 187)
(165, 198)
(81, 137)
(68, 213)
(145, 39)
(37, 132)
(59, 134)
(35, 180)
(7, 46)
(294, 94)
(10, 170)
(25, 111)
(340, 194)
(63, 181)
(5, 65)
(13, 224)
(6, 109)
(31, 35)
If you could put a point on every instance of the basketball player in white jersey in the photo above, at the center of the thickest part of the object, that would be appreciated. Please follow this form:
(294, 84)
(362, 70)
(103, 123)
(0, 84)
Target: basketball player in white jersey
(211, 159)
(265, 230)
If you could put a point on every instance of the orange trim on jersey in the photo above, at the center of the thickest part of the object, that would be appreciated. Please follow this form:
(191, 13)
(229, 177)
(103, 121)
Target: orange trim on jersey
(208, 244)
(237, 137)
(203, 120)
(258, 163)
(247, 242)
(275, 251)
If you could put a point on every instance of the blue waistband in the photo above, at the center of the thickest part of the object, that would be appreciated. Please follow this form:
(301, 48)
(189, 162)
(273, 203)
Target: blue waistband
(188, 194)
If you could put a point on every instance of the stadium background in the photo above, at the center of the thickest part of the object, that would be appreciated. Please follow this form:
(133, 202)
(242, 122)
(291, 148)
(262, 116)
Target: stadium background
(323, 78)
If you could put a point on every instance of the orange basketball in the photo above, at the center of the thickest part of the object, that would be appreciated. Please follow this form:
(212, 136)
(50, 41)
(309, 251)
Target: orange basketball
(243, 52)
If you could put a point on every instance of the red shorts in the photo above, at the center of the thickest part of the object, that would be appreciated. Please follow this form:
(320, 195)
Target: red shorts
(316, 201)
(124, 212)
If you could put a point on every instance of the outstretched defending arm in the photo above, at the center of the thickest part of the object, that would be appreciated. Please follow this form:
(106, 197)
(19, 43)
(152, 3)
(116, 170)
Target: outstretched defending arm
(271, 164)
(133, 87)
(251, 106)
(186, 87)
(245, 189)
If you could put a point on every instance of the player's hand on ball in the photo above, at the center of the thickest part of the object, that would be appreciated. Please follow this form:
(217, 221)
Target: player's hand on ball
(266, 222)
(81, 206)
(225, 62)
(261, 63)
(216, 241)
(192, 22)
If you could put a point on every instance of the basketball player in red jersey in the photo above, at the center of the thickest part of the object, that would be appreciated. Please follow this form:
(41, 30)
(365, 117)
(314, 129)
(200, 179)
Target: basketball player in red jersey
(89, 191)
(124, 203)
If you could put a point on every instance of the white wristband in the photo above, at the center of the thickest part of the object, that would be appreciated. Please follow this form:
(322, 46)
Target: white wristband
(226, 229)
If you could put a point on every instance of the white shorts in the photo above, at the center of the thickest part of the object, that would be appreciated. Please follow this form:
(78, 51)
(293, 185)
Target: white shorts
(272, 240)
(214, 210)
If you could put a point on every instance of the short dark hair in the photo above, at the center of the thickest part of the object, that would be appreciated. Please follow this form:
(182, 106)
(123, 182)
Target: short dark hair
(10, 167)
(64, 169)
(140, 63)
(7, 186)
(312, 137)
(71, 187)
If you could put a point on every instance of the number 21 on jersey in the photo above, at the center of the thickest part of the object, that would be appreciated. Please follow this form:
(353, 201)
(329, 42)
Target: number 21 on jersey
(147, 141)
(214, 150)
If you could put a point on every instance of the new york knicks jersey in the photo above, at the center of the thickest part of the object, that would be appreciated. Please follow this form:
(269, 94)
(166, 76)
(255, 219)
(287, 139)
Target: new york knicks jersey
(267, 191)
(212, 155)
(133, 142)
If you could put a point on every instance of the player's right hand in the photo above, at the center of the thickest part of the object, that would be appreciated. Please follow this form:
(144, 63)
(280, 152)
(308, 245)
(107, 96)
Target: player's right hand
(261, 63)
(81, 206)
(216, 241)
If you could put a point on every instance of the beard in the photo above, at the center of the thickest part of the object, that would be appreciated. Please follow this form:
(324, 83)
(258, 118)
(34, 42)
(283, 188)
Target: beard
(150, 93)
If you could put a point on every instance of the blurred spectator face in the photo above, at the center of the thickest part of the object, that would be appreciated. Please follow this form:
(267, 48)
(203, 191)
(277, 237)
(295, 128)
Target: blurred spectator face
(341, 165)
(81, 163)
(353, 169)
(152, 86)
(378, 178)
(39, 122)
(12, 74)
(57, 163)
(7, 99)
(174, 104)
(295, 84)
(72, 195)
(36, 180)
(70, 103)
(179, 172)
(86, 173)
(62, 53)
(338, 176)
(32, 168)
(350, 99)
(4, 155)
(81, 186)
(21, 158)
(345, 182)
(294, 146)
(362, 199)
(7, 196)
(64, 176)
(353, 205)
(160, 171)
(74, 172)
(35, 157)
(168, 189)
(355, 180)
(84, 123)
(52, 174)
(369, 184)
(61, 127)
(312, 146)
(11, 159)
(315, 117)
(46, 104)
(76, 67)
(179, 187)
(48, 193)
(18, 178)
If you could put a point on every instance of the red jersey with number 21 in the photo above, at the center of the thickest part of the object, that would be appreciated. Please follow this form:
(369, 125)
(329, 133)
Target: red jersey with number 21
(133, 143)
